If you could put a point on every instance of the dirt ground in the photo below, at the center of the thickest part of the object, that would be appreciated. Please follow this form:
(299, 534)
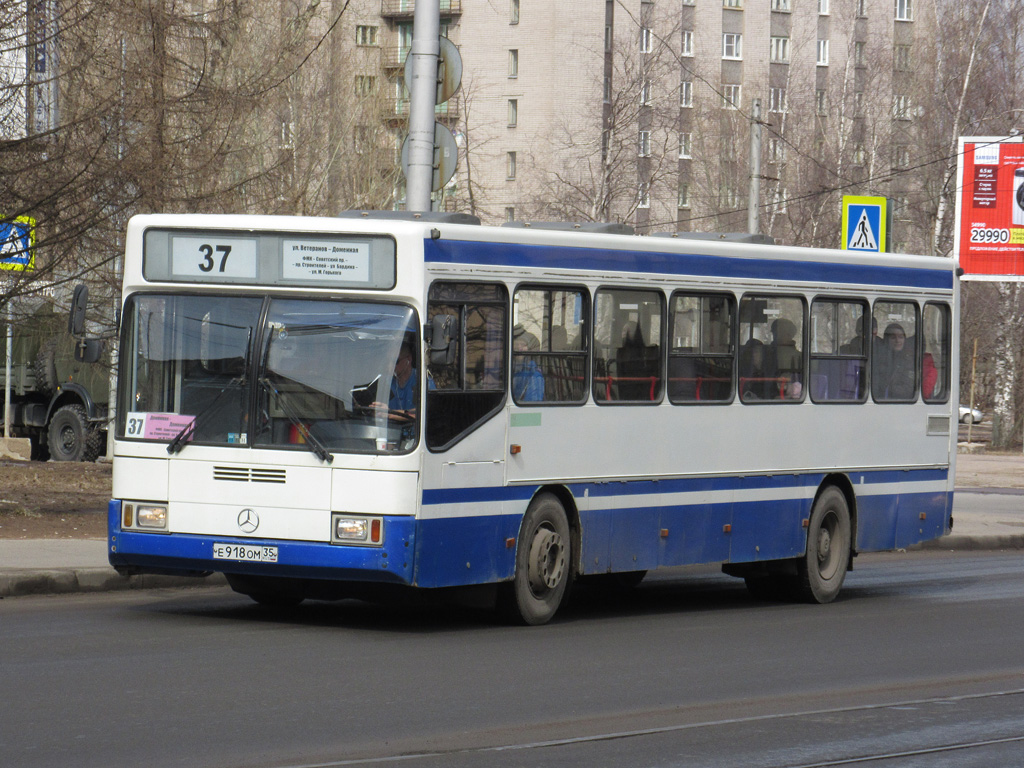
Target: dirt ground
(58, 500)
(53, 500)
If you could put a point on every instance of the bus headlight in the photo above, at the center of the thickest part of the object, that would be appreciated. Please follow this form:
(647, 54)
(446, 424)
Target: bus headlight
(357, 529)
(151, 516)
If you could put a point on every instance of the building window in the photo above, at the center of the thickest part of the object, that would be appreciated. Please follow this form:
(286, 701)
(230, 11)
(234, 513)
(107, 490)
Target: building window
(687, 42)
(780, 5)
(821, 102)
(685, 146)
(780, 50)
(686, 94)
(607, 89)
(862, 8)
(859, 154)
(729, 197)
(510, 165)
(901, 107)
(732, 45)
(365, 84)
(776, 150)
(607, 38)
(514, 15)
(513, 62)
(904, 10)
(644, 144)
(823, 53)
(823, 7)
(645, 92)
(684, 195)
(513, 113)
(732, 3)
(858, 102)
(858, 54)
(901, 58)
(731, 96)
(366, 35)
(902, 155)
(646, 40)
(510, 213)
(643, 195)
(776, 99)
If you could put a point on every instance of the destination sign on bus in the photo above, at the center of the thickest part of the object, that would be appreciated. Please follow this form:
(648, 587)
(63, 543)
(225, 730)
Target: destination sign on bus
(269, 258)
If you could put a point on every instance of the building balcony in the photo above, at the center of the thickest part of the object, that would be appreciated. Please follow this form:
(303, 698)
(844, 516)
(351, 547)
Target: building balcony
(393, 56)
(404, 9)
(398, 109)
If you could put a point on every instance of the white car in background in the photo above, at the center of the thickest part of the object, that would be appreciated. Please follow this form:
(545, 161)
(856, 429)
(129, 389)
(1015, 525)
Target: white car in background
(970, 415)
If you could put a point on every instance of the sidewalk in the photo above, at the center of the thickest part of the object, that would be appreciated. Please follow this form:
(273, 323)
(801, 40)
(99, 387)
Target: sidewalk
(50, 566)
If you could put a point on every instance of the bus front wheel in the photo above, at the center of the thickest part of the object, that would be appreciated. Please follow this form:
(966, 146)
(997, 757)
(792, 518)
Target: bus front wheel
(823, 567)
(543, 563)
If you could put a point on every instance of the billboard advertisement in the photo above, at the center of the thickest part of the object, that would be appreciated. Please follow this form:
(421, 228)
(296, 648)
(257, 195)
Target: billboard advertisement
(989, 239)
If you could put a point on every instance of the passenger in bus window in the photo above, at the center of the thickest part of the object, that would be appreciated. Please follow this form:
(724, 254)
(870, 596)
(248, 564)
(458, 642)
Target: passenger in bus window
(754, 380)
(527, 377)
(785, 359)
(896, 366)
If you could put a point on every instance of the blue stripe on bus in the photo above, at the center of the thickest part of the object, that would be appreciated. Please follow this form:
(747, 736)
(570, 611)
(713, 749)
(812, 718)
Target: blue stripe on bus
(701, 265)
(441, 496)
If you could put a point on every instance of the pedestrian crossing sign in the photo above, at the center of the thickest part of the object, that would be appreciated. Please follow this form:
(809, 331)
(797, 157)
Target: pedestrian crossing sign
(864, 223)
(18, 244)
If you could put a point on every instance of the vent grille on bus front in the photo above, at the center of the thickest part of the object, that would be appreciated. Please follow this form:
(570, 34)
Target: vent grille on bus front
(249, 474)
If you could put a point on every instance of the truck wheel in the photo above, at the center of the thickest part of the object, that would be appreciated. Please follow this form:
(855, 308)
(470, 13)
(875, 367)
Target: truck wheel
(71, 437)
(45, 368)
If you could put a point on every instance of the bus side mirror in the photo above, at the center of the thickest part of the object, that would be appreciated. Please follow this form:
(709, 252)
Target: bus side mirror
(76, 317)
(88, 350)
(441, 337)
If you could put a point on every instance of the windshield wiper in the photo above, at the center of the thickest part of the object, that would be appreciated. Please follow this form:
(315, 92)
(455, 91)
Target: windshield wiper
(314, 445)
(189, 429)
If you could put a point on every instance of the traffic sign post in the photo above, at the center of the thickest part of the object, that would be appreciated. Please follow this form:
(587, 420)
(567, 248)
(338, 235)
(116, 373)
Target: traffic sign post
(865, 224)
(17, 254)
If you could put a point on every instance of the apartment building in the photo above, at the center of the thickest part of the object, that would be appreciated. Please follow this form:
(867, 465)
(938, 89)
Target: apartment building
(640, 110)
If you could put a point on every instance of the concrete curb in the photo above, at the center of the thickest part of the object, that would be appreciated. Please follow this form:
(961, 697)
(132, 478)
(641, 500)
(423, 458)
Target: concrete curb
(975, 543)
(74, 580)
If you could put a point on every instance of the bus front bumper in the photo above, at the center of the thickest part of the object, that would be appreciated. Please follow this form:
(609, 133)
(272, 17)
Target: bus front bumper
(134, 552)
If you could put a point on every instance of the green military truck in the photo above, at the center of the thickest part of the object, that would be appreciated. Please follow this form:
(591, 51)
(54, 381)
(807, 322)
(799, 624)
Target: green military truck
(60, 404)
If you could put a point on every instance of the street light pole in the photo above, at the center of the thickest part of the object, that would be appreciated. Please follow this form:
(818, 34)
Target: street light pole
(426, 28)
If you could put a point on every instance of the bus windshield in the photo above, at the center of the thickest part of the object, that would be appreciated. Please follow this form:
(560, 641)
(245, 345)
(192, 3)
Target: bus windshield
(311, 374)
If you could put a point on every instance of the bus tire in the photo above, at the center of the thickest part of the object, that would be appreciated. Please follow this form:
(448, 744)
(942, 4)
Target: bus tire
(824, 565)
(543, 563)
(71, 437)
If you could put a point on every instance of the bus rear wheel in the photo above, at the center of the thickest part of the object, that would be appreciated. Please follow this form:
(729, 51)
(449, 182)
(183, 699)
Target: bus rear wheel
(823, 568)
(543, 563)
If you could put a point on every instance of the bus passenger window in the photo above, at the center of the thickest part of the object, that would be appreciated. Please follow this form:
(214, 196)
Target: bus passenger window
(894, 355)
(627, 346)
(839, 357)
(772, 348)
(700, 362)
(549, 350)
(471, 389)
(935, 326)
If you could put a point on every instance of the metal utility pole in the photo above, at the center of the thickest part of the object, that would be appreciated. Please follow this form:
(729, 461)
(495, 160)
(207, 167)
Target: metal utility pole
(754, 201)
(426, 28)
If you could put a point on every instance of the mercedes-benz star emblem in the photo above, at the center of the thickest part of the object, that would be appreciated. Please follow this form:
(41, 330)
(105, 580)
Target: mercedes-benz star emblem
(248, 520)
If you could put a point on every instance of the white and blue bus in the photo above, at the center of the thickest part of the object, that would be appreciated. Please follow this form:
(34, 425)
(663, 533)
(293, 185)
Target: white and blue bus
(314, 406)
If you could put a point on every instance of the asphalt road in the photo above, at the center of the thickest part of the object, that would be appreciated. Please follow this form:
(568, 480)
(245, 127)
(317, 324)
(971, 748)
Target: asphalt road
(920, 660)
